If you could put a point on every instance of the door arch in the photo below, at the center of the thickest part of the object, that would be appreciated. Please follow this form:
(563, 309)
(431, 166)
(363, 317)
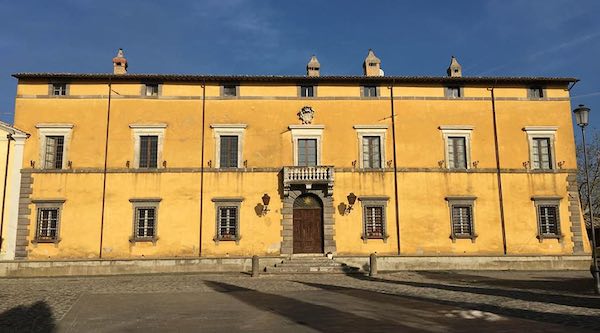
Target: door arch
(308, 224)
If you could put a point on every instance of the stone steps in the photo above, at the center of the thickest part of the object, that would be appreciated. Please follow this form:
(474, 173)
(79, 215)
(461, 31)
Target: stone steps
(310, 264)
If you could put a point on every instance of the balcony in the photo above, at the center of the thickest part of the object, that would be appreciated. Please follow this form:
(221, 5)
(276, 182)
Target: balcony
(307, 176)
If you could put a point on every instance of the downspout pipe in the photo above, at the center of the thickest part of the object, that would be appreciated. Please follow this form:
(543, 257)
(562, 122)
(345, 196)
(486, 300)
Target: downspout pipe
(498, 173)
(202, 168)
(9, 137)
(105, 168)
(395, 164)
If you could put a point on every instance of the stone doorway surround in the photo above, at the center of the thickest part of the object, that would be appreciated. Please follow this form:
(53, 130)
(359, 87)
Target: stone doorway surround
(287, 233)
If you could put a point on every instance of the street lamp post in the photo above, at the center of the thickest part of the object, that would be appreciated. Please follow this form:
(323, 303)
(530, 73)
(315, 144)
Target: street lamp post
(582, 114)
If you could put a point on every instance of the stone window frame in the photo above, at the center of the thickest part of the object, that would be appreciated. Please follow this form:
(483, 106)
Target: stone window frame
(448, 89)
(374, 201)
(137, 203)
(462, 200)
(144, 89)
(542, 132)
(228, 130)
(363, 90)
(464, 131)
(51, 88)
(228, 202)
(371, 130)
(222, 90)
(306, 132)
(530, 92)
(539, 201)
(47, 204)
(138, 130)
(299, 89)
(54, 129)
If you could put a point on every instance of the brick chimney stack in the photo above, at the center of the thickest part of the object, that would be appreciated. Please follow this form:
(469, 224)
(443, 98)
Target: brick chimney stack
(120, 63)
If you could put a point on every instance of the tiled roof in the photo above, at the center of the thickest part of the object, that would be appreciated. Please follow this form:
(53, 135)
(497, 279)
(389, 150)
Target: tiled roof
(290, 79)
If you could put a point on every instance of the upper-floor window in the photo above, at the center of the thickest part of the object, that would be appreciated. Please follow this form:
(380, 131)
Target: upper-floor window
(307, 152)
(54, 144)
(454, 92)
(53, 158)
(229, 140)
(306, 141)
(147, 145)
(151, 89)
(457, 141)
(307, 91)
(371, 149)
(229, 90)
(369, 91)
(148, 151)
(541, 147)
(536, 92)
(58, 89)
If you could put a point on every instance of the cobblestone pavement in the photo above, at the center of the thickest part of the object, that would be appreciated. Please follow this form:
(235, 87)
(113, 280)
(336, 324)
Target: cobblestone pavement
(413, 301)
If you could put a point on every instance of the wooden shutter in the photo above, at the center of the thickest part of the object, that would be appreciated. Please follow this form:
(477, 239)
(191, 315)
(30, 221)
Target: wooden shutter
(371, 152)
(229, 151)
(542, 158)
(148, 151)
(457, 155)
(307, 152)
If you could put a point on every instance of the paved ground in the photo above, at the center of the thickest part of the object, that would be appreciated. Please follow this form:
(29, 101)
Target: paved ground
(407, 302)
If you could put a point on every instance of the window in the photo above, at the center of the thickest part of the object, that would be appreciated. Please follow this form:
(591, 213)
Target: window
(58, 89)
(457, 142)
(229, 140)
(147, 145)
(229, 90)
(307, 144)
(541, 147)
(229, 151)
(148, 151)
(53, 159)
(227, 219)
(457, 155)
(307, 91)
(307, 152)
(371, 152)
(370, 91)
(47, 225)
(47, 220)
(542, 158)
(151, 89)
(54, 141)
(548, 217)
(536, 92)
(145, 222)
(454, 92)
(145, 219)
(461, 217)
(374, 218)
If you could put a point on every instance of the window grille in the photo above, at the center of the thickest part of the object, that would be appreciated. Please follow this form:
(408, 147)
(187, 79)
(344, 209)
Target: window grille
(462, 221)
(148, 151)
(227, 222)
(374, 222)
(53, 158)
(548, 221)
(59, 89)
(47, 224)
(145, 222)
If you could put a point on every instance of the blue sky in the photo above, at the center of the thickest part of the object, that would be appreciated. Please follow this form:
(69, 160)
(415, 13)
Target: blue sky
(490, 38)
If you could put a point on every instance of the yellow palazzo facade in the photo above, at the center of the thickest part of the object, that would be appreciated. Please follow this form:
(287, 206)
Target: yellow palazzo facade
(141, 165)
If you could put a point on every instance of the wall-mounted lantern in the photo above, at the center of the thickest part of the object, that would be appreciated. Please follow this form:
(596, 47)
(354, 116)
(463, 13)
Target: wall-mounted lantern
(351, 200)
(266, 199)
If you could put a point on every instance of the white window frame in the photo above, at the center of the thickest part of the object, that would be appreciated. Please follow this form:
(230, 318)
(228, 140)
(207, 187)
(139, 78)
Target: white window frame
(464, 131)
(54, 129)
(545, 132)
(306, 132)
(228, 130)
(371, 130)
(138, 130)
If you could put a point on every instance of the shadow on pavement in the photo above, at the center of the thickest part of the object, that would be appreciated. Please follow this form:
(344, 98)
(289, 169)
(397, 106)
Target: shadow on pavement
(549, 317)
(35, 318)
(318, 317)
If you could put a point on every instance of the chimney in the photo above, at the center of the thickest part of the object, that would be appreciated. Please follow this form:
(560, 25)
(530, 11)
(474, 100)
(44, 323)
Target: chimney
(313, 67)
(372, 65)
(120, 63)
(455, 69)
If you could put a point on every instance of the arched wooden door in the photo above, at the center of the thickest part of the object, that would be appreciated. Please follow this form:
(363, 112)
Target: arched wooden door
(308, 224)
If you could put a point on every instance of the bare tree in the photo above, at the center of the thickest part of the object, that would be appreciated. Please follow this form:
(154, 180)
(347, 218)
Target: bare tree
(593, 155)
